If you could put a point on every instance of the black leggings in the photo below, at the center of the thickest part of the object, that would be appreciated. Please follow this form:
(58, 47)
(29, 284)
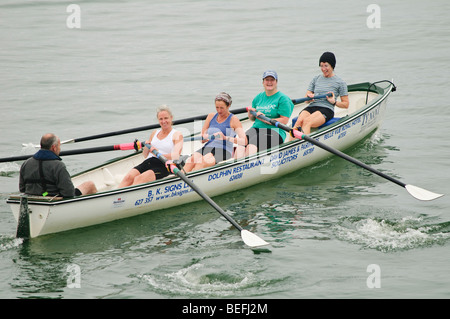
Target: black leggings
(220, 154)
(155, 165)
(326, 112)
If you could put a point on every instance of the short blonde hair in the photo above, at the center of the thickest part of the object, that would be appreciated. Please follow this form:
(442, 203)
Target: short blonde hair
(163, 108)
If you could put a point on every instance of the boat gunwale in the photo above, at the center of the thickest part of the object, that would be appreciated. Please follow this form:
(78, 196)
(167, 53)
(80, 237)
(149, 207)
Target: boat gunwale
(383, 92)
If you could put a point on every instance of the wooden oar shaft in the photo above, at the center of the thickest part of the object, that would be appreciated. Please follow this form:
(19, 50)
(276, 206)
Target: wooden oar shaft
(416, 192)
(316, 97)
(118, 147)
(149, 127)
(346, 157)
(205, 197)
(334, 151)
(202, 194)
(200, 138)
(248, 237)
(89, 150)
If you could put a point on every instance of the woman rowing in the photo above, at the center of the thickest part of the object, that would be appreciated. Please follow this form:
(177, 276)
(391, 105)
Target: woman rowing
(274, 105)
(219, 132)
(320, 111)
(167, 141)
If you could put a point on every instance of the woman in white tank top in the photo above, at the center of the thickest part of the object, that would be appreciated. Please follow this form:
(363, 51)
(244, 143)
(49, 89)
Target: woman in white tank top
(167, 141)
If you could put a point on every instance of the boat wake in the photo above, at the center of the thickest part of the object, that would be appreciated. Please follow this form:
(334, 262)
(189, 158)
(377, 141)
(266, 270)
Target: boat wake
(392, 235)
(197, 280)
(9, 242)
(8, 169)
(208, 278)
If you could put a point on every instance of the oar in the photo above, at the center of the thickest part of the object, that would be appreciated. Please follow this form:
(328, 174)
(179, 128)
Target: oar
(417, 192)
(118, 147)
(248, 237)
(38, 146)
(143, 128)
(186, 139)
(316, 97)
(200, 138)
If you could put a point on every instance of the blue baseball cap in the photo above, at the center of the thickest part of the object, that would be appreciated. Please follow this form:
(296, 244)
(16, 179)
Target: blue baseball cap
(270, 73)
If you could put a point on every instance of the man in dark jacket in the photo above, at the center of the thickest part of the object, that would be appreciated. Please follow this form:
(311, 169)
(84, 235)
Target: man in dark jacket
(45, 173)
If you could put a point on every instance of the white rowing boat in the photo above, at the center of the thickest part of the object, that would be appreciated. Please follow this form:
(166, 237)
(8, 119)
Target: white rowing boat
(51, 215)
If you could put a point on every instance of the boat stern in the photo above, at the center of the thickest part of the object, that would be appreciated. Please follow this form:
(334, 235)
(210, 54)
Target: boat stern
(30, 216)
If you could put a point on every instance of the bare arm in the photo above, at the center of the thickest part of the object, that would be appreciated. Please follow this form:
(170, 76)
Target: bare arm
(206, 126)
(344, 103)
(177, 148)
(146, 150)
(236, 125)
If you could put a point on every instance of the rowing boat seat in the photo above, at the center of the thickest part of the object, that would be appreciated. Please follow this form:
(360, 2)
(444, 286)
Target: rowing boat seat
(109, 179)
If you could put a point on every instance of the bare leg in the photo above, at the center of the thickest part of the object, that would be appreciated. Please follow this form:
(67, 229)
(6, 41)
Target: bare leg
(239, 152)
(87, 188)
(303, 115)
(250, 149)
(147, 176)
(206, 161)
(315, 120)
(129, 178)
(192, 161)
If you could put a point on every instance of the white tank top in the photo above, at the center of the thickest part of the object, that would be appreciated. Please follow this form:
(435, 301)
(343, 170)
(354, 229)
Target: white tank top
(165, 145)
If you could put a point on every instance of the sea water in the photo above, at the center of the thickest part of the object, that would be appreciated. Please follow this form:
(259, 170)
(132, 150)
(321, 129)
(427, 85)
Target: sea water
(335, 230)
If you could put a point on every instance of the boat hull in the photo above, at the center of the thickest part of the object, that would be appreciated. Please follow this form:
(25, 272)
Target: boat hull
(52, 216)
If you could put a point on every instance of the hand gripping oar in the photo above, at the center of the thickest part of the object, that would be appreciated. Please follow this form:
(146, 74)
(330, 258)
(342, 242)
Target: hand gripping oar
(416, 192)
(249, 238)
(118, 147)
(316, 97)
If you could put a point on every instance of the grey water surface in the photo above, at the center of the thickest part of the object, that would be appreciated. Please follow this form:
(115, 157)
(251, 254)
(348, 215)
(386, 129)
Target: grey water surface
(336, 231)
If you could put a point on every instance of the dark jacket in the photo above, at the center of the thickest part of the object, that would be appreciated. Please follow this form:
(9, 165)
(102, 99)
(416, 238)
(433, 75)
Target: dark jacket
(55, 177)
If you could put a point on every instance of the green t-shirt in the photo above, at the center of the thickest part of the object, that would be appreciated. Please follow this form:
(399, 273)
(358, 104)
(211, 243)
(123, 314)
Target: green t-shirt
(273, 107)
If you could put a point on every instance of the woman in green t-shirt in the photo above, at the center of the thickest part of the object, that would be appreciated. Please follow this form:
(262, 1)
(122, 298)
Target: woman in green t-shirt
(273, 104)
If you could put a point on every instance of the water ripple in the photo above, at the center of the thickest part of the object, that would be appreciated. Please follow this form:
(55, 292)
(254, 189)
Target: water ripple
(391, 235)
(208, 278)
(9, 242)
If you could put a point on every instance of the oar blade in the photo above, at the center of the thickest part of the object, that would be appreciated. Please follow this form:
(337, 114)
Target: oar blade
(68, 141)
(421, 194)
(252, 240)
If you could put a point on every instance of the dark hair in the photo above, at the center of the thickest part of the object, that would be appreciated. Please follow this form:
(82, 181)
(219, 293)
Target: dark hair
(328, 57)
